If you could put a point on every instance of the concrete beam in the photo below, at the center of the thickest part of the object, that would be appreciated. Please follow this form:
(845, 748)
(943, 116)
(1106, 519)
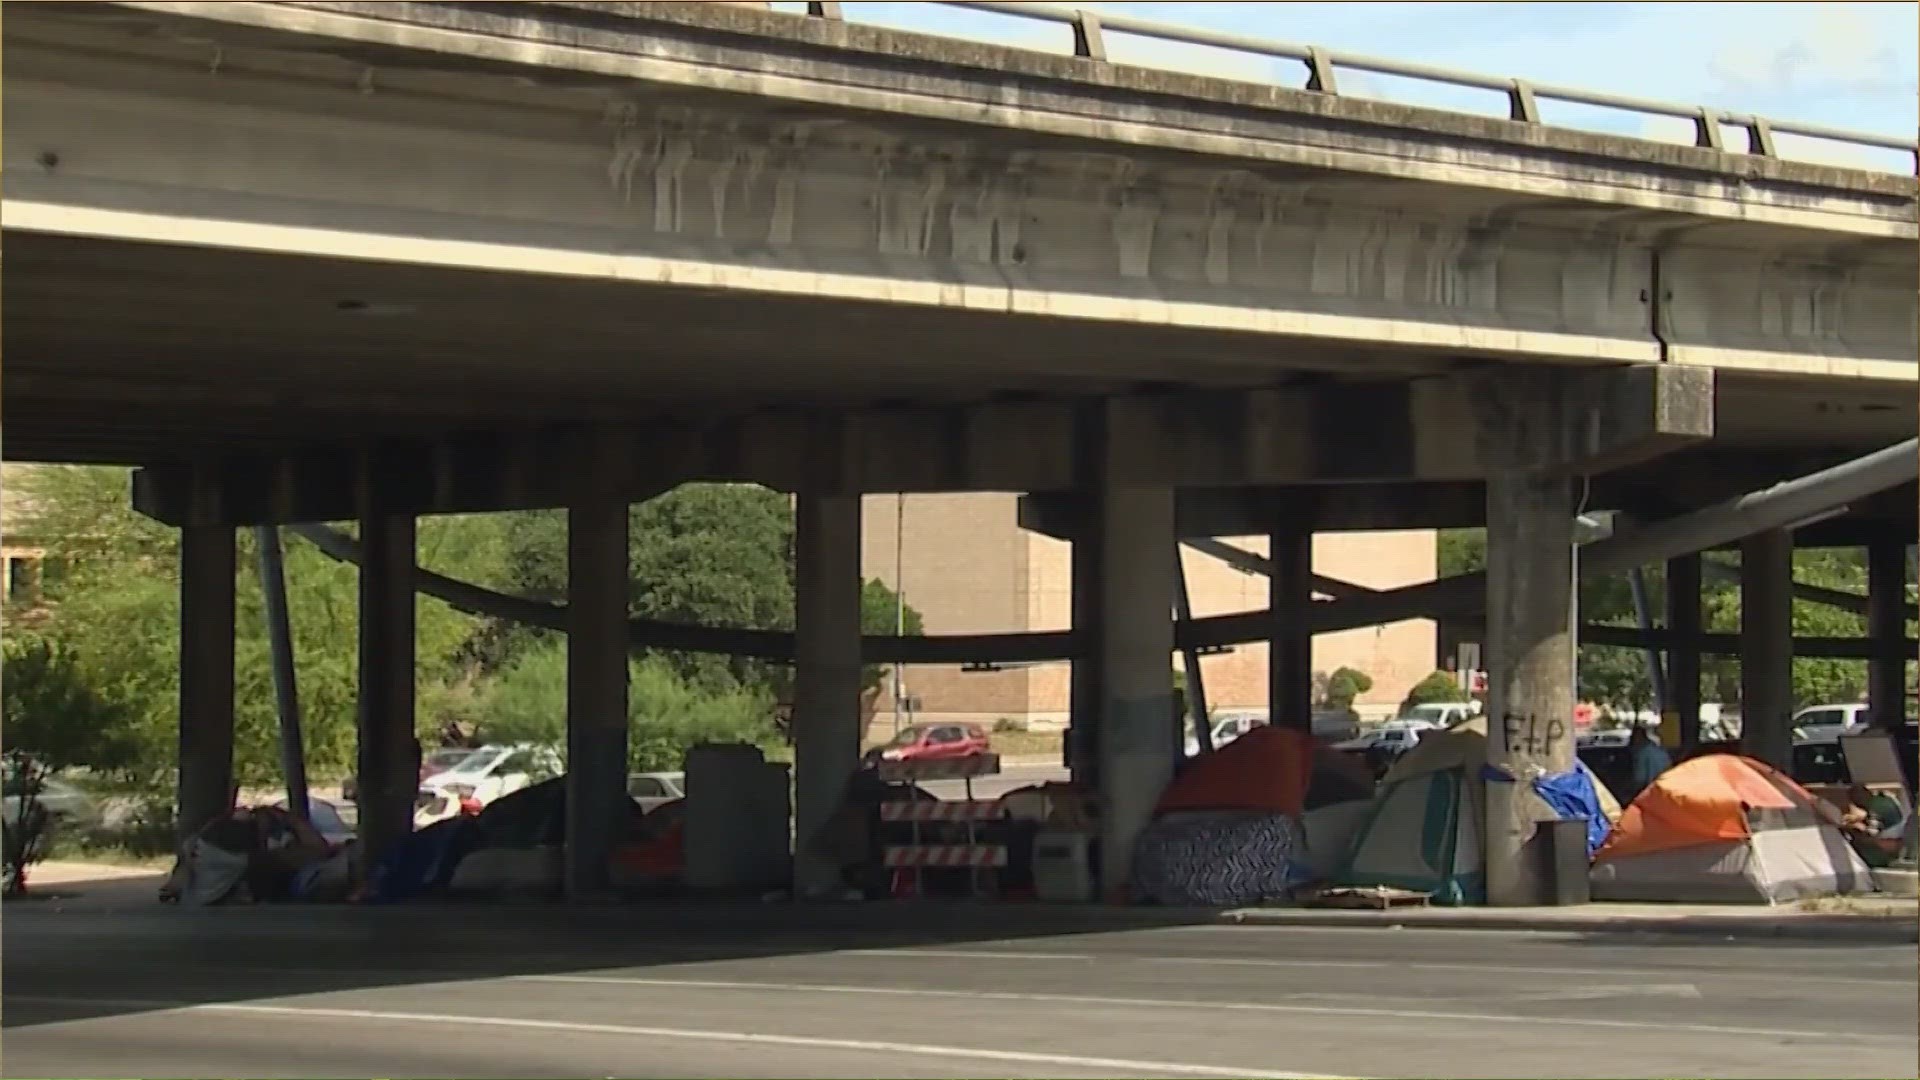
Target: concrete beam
(920, 78)
(1302, 435)
(1246, 222)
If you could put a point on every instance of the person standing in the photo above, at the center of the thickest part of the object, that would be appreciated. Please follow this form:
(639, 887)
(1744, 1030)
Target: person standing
(1649, 760)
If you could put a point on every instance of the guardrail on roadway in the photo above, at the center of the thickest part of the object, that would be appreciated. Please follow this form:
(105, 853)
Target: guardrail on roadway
(1089, 40)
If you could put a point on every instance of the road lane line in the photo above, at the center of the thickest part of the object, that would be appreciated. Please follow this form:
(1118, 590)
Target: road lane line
(1905, 975)
(962, 954)
(752, 1038)
(1209, 1006)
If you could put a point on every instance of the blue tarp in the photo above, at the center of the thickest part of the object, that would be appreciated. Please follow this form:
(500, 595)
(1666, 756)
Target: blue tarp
(424, 861)
(1571, 794)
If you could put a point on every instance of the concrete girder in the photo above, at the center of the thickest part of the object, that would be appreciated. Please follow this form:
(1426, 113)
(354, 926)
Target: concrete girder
(921, 79)
(1252, 563)
(607, 180)
(1672, 486)
(1290, 435)
(1038, 647)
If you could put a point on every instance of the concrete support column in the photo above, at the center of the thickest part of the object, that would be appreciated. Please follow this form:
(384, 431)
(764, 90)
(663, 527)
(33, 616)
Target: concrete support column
(1290, 652)
(1683, 656)
(1766, 647)
(206, 676)
(388, 772)
(596, 683)
(1530, 610)
(1133, 649)
(1887, 627)
(826, 685)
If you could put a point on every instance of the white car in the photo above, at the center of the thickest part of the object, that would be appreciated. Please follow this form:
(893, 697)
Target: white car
(492, 771)
(1825, 723)
(1444, 714)
(1226, 728)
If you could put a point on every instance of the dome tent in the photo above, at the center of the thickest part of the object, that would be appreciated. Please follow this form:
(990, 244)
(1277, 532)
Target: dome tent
(1426, 824)
(1721, 828)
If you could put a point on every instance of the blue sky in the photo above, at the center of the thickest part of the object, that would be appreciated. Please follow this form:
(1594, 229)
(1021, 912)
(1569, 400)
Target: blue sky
(1847, 65)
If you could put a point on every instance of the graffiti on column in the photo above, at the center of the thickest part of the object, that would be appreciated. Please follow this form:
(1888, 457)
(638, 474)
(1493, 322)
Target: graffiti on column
(1534, 736)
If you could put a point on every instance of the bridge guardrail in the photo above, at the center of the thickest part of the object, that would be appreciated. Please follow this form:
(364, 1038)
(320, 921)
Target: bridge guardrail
(1089, 40)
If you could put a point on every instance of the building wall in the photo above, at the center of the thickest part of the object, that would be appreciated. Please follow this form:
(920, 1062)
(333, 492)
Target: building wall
(967, 567)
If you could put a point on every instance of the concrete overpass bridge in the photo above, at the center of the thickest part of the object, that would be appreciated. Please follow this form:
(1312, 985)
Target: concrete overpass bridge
(328, 260)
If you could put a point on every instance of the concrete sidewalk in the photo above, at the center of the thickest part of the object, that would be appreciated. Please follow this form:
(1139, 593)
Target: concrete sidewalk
(1870, 919)
(1877, 919)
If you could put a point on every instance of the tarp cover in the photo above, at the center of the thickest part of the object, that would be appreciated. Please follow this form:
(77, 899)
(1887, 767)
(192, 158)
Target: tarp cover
(1573, 794)
(1269, 769)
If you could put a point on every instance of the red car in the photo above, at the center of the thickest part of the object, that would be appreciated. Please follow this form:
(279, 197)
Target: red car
(933, 742)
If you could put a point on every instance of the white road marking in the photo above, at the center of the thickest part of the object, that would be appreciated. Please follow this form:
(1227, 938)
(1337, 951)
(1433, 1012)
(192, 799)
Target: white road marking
(1906, 974)
(962, 954)
(1118, 1065)
(1600, 993)
(1209, 1006)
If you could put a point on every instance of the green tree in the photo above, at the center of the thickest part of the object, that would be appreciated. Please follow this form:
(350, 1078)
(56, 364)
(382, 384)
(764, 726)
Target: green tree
(1343, 687)
(1618, 677)
(667, 714)
(54, 714)
(113, 616)
(1435, 688)
(705, 555)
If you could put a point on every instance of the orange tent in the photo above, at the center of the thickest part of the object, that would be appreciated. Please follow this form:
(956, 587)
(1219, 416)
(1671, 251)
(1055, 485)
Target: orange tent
(1700, 801)
(1723, 828)
(1268, 768)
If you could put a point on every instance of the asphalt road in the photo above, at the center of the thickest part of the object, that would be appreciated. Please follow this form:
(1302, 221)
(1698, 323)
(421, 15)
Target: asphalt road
(479, 992)
(1009, 778)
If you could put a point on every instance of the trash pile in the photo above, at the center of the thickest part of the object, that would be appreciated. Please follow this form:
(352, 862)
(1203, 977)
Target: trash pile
(512, 847)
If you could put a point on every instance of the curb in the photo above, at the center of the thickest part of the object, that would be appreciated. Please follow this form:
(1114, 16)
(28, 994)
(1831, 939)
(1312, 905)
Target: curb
(1889, 928)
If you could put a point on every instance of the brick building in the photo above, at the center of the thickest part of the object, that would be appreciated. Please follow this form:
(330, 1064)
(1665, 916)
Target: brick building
(967, 567)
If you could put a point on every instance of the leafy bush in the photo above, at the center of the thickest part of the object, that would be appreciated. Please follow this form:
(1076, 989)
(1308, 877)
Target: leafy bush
(1009, 724)
(1435, 688)
(1344, 686)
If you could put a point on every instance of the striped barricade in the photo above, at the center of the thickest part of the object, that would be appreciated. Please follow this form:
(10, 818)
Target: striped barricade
(923, 856)
(943, 810)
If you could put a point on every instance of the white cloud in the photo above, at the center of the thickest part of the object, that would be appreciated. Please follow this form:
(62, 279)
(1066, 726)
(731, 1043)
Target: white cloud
(1833, 50)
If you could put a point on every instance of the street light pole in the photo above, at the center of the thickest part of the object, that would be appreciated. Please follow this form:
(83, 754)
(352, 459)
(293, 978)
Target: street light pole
(899, 603)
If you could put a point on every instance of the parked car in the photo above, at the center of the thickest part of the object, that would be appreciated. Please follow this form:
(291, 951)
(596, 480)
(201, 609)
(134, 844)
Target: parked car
(438, 761)
(1441, 714)
(1819, 723)
(492, 771)
(68, 808)
(933, 742)
(655, 789)
(1383, 745)
(1226, 728)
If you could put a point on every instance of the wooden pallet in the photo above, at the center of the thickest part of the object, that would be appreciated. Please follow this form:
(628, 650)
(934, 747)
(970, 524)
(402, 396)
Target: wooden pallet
(1371, 898)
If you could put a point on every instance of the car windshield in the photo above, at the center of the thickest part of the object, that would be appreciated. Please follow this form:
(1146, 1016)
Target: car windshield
(908, 736)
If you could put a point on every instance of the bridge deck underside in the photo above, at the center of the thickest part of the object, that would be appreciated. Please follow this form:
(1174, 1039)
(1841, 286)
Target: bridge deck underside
(138, 352)
(142, 353)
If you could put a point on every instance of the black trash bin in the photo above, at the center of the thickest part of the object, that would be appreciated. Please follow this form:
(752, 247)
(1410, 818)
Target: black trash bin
(1564, 847)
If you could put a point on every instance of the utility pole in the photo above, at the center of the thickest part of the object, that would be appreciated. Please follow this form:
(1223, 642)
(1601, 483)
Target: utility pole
(899, 603)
